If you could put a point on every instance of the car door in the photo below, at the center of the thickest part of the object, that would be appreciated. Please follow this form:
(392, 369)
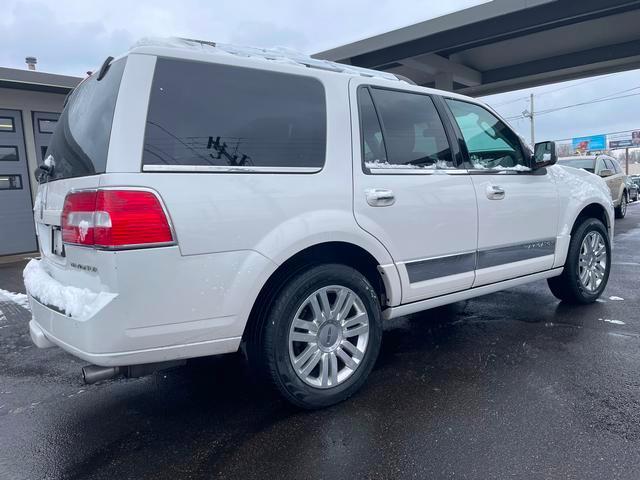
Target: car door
(618, 178)
(517, 207)
(603, 164)
(408, 191)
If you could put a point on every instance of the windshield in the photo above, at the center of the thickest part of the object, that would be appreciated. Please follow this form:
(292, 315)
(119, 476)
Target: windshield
(80, 141)
(584, 163)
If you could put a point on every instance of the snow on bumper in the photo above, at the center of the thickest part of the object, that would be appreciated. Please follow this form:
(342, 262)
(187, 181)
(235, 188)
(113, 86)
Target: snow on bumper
(78, 303)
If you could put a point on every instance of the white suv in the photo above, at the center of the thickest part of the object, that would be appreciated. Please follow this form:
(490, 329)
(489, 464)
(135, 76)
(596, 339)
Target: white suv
(197, 198)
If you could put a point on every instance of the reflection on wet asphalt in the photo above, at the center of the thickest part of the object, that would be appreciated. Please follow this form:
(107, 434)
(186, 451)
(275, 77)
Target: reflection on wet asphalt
(510, 385)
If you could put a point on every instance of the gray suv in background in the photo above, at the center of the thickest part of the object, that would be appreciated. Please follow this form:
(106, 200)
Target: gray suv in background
(608, 169)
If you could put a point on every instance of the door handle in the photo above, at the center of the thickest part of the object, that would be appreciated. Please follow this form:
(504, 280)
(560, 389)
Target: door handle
(495, 192)
(380, 197)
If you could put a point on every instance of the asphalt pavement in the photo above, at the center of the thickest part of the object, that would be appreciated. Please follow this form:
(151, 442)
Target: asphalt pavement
(510, 385)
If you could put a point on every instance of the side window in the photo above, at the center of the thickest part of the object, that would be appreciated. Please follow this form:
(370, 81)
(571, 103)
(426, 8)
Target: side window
(413, 136)
(616, 166)
(373, 148)
(609, 165)
(491, 144)
(207, 114)
(600, 165)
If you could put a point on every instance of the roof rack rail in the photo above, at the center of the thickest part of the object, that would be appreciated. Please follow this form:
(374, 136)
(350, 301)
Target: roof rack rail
(282, 55)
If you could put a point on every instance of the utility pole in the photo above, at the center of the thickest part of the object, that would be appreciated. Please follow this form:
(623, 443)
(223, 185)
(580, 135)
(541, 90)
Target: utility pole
(626, 160)
(530, 115)
(533, 131)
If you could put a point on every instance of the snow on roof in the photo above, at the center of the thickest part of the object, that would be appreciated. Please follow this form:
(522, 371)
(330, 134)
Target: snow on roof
(278, 54)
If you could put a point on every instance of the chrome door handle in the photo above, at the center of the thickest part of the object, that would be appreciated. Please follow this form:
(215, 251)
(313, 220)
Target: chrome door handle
(495, 192)
(380, 197)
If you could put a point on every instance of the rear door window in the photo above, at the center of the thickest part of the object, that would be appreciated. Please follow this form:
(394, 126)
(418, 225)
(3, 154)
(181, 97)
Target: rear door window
(207, 114)
(406, 134)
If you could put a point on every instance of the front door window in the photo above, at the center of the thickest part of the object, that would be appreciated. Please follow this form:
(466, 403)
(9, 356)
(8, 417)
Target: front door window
(491, 144)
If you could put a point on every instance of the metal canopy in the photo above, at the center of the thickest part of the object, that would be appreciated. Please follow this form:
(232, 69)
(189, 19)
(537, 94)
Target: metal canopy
(37, 81)
(506, 45)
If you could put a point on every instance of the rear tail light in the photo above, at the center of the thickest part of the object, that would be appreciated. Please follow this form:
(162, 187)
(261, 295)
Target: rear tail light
(115, 219)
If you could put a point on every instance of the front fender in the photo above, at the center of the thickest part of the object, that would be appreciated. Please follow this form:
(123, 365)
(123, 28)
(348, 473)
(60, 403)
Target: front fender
(578, 189)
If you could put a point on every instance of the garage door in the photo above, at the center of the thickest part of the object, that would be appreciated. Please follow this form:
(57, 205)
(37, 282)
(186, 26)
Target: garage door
(17, 233)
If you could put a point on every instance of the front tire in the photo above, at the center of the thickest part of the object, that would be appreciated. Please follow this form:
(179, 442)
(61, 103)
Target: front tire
(586, 270)
(322, 336)
(621, 210)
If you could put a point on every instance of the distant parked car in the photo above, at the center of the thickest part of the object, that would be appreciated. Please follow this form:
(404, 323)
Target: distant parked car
(636, 180)
(610, 170)
(632, 188)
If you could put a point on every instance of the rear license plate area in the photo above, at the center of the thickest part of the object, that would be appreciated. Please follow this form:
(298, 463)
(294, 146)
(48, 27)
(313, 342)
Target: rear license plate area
(57, 247)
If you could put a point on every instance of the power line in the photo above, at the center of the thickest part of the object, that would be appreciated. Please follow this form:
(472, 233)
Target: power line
(606, 98)
(590, 102)
(574, 85)
(539, 94)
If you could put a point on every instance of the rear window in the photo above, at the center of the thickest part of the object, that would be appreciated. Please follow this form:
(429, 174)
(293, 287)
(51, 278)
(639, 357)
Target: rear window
(205, 114)
(80, 141)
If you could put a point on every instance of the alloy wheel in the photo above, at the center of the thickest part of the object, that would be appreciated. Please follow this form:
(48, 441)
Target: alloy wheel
(592, 263)
(328, 337)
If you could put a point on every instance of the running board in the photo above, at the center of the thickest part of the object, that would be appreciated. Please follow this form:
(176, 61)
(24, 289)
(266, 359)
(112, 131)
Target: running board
(414, 307)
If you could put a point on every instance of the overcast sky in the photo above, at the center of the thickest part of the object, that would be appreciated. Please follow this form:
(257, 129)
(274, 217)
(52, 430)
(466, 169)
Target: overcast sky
(73, 36)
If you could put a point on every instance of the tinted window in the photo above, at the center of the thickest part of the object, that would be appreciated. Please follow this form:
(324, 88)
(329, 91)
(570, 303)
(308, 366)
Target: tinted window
(8, 154)
(373, 148)
(210, 114)
(80, 141)
(491, 144)
(616, 166)
(608, 165)
(413, 132)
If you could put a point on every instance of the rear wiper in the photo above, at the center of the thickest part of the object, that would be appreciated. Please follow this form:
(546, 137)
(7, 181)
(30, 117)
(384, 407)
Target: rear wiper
(104, 68)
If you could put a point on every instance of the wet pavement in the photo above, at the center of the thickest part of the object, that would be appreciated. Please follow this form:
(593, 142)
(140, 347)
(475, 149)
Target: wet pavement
(510, 385)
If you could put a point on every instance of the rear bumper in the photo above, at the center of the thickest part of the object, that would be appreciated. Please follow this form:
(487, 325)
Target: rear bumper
(146, 307)
(44, 339)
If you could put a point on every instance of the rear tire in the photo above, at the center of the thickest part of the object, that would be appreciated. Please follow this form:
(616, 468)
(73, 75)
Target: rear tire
(586, 270)
(621, 210)
(321, 336)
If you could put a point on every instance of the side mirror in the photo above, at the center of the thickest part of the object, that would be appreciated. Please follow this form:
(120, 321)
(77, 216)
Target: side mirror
(544, 155)
(606, 172)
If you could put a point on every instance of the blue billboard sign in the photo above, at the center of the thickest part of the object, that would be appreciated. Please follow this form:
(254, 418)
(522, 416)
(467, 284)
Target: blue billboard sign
(591, 143)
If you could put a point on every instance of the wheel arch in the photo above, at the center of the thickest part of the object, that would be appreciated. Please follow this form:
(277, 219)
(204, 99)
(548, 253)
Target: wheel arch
(593, 210)
(341, 252)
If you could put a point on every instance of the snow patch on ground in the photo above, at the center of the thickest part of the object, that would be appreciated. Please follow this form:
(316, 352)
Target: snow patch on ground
(609, 320)
(616, 298)
(73, 301)
(19, 298)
